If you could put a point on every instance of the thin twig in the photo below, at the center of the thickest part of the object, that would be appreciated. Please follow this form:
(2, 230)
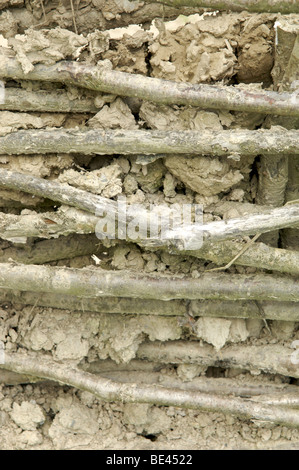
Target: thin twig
(74, 18)
(43, 9)
(262, 313)
(241, 252)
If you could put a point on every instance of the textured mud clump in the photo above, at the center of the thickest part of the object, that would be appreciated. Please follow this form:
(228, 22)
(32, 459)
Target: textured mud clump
(174, 53)
(45, 47)
(219, 46)
(204, 175)
(256, 44)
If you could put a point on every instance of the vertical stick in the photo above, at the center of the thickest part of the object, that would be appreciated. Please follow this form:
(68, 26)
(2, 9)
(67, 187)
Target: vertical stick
(274, 169)
(290, 237)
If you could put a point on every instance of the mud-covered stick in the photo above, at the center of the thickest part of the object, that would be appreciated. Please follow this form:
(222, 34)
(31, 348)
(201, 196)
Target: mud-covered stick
(121, 305)
(45, 251)
(270, 358)
(102, 78)
(58, 101)
(108, 390)
(277, 172)
(236, 142)
(56, 191)
(96, 282)
(259, 6)
(285, 311)
(8, 3)
(259, 255)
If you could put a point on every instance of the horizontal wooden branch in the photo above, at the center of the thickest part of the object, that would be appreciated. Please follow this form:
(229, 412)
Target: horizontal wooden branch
(102, 78)
(259, 6)
(105, 305)
(95, 282)
(68, 220)
(107, 390)
(258, 255)
(285, 311)
(270, 358)
(112, 142)
(270, 394)
(283, 394)
(45, 251)
(56, 191)
(58, 101)
(185, 238)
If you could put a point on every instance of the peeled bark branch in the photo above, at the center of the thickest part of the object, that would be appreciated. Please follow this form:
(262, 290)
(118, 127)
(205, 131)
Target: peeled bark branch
(102, 78)
(273, 177)
(270, 358)
(186, 238)
(108, 390)
(110, 142)
(259, 6)
(67, 220)
(57, 192)
(19, 99)
(95, 282)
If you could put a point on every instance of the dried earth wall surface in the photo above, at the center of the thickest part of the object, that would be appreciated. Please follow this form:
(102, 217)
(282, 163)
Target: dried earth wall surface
(241, 351)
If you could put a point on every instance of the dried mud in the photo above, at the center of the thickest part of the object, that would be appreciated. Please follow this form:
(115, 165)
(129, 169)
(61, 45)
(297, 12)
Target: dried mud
(231, 48)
